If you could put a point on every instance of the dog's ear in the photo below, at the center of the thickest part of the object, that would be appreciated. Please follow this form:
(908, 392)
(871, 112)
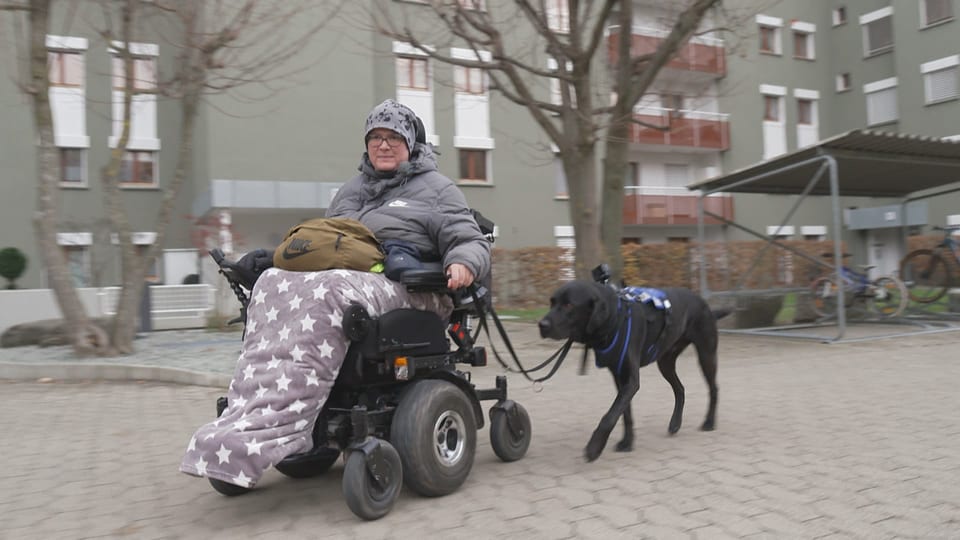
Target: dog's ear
(600, 312)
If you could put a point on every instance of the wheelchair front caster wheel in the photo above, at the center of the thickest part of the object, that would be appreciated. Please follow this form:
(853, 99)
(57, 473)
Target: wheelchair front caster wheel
(372, 477)
(226, 488)
(509, 430)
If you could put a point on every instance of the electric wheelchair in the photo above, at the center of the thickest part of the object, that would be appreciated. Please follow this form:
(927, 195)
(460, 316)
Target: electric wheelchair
(401, 411)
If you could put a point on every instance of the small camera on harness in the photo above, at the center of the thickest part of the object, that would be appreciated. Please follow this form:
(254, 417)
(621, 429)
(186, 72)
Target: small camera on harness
(601, 274)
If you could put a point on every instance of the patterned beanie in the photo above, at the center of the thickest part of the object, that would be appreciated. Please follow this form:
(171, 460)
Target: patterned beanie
(394, 116)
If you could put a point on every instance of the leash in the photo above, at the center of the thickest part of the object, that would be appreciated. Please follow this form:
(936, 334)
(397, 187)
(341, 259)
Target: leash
(557, 357)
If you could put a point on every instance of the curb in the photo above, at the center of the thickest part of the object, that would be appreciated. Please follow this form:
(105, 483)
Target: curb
(75, 371)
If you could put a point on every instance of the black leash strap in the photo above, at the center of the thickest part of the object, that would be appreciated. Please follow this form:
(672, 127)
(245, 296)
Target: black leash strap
(558, 356)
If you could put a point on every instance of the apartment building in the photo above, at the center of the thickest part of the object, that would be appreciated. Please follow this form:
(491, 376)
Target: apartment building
(812, 70)
(799, 72)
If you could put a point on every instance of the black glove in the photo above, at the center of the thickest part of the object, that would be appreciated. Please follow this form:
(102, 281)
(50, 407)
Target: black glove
(251, 265)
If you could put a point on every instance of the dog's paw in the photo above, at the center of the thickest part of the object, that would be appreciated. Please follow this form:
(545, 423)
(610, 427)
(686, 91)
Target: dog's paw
(624, 446)
(707, 426)
(595, 446)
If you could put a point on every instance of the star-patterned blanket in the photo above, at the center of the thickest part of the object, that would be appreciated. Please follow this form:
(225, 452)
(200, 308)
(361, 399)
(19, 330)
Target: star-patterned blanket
(292, 351)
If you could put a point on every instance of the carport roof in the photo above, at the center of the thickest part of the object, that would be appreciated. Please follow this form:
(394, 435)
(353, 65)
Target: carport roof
(869, 163)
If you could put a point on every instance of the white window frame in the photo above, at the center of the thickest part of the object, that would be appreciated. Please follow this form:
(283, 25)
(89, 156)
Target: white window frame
(839, 15)
(151, 143)
(922, 4)
(874, 16)
(810, 30)
(558, 16)
(841, 85)
(949, 63)
(83, 240)
(775, 24)
(881, 86)
(84, 176)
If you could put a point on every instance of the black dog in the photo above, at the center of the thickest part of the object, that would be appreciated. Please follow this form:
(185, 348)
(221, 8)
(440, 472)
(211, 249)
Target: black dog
(628, 335)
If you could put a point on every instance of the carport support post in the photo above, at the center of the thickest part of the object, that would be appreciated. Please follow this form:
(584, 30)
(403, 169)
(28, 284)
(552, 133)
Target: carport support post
(701, 250)
(837, 248)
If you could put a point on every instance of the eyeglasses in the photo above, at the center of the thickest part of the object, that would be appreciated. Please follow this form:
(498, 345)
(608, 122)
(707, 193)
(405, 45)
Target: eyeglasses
(393, 139)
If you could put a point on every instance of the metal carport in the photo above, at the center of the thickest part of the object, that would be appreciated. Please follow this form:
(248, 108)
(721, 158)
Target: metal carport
(860, 163)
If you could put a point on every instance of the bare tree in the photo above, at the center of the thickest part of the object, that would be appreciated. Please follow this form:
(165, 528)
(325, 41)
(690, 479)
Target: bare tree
(584, 113)
(220, 46)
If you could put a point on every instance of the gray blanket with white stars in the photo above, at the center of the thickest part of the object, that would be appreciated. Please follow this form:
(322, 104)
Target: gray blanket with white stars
(292, 352)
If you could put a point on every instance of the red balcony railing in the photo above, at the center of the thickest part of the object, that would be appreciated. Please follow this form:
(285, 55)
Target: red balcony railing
(644, 209)
(700, 54)
(691, 129)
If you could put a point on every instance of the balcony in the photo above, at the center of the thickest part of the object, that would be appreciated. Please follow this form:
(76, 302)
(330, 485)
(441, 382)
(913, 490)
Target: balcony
(700, 55)
(687, 129)
(671, 206)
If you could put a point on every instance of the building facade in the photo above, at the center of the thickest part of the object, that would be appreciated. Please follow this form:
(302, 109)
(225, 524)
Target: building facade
(797, 73)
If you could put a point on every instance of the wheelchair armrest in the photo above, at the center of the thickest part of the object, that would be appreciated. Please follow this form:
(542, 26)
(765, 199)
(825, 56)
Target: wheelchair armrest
(426, 280)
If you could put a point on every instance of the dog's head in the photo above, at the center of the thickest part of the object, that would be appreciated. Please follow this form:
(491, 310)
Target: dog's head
(580, 310)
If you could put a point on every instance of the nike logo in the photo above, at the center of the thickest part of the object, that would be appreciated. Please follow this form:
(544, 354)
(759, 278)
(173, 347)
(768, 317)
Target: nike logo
(296, 248)
(398, 204)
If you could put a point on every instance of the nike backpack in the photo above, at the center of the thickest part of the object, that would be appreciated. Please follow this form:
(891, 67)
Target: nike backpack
(329, 243)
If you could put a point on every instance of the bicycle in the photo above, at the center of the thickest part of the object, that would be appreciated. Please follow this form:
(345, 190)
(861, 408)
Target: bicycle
(925, 271)
(886, 294)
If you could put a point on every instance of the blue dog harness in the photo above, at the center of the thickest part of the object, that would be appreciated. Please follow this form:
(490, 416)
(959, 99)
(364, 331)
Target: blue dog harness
(651, 302)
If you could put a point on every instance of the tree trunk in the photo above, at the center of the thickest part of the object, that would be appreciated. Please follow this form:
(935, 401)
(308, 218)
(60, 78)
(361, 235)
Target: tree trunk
(134, 275)
(614, 171)
(85, 337)
(580, 170)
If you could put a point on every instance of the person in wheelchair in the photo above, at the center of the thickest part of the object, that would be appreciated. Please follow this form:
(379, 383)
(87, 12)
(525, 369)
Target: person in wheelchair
(295, 342)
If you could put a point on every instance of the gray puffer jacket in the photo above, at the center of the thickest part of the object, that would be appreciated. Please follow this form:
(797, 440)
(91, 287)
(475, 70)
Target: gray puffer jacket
(419, 205)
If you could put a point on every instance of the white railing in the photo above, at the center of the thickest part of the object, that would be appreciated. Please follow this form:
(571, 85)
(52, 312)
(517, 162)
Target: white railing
(649, 110)
(171, 306)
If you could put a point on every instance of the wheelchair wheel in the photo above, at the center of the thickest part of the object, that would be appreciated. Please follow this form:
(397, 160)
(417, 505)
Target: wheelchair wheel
(226, 488)
(368, 497)
(313, 463)
(509, 431)
(435, 433)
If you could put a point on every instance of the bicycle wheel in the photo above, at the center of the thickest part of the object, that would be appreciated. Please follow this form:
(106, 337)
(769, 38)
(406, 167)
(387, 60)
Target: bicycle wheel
(889, 297)
(926, 275)
(825, 294)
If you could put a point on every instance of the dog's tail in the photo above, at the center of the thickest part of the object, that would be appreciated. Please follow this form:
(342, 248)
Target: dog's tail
(721, 313)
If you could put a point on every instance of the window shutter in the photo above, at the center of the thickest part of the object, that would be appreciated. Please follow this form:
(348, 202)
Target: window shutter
(882, 106)
(879, 35)
(937, 10)
(941, 85)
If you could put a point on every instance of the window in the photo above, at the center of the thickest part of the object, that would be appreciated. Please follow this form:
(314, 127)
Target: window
(803, 45)
(72, 169)
(881, 101)
(560, 180)
(843, 82)
(65, 68)
(935, 11)
(940, 82)
(877, 31)
(144, 73)
(558, 16)
(771, 108)
(78, 264)
(138, 168)
(673, 103)
(412, 73)
(769, 40)
(469, 80)
(633, 174)
(805, 112)
(152, 265)
(473, 164)
(840, 16)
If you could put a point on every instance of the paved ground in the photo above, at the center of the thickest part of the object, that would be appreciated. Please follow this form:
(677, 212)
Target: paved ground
(850, 440)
